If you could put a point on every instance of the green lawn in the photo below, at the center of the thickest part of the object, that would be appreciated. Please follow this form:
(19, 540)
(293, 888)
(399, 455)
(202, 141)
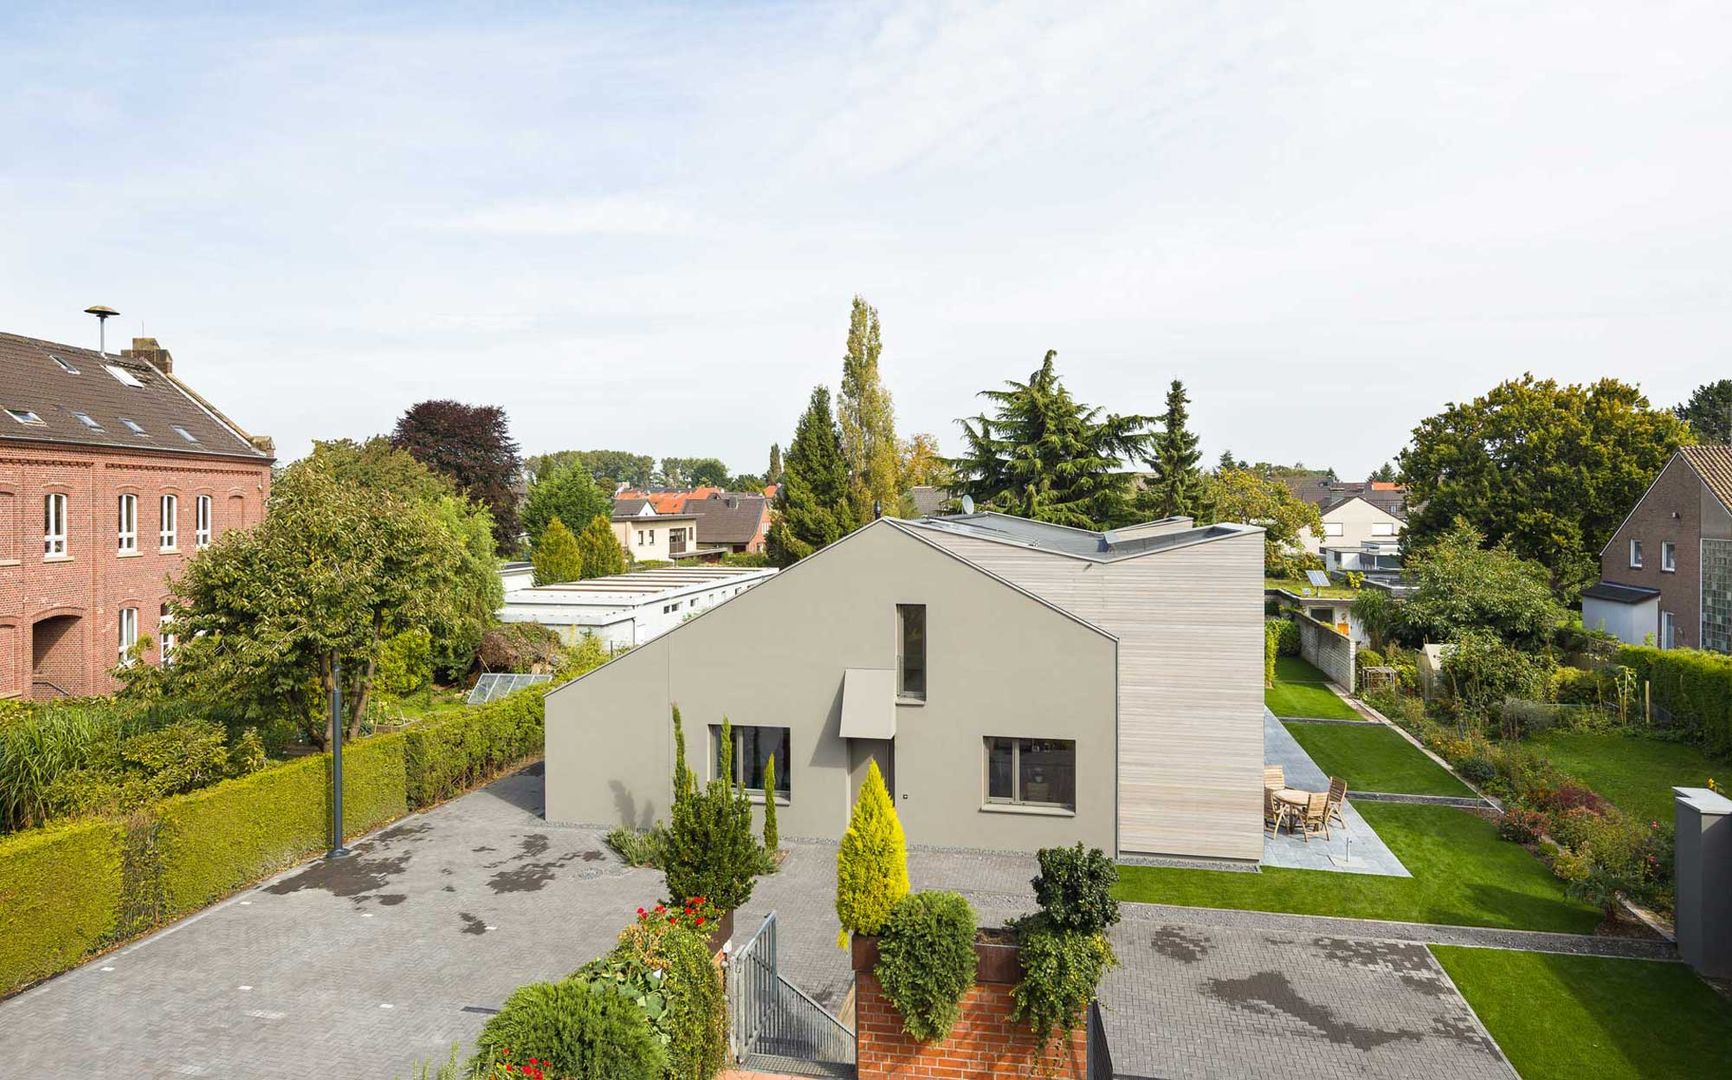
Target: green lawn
(1373, 757)
(1637, 774)
(1573, 1017)
(1463, 875)
(1302, 690)
(1299, 587)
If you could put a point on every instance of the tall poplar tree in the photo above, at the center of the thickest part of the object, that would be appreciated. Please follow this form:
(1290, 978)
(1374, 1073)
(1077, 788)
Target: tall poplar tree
(774, 476)
(812, 508)
(867, 420)
(1177, 486)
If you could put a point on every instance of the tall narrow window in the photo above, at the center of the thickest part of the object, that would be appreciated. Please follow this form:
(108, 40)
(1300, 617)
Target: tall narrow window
(1635, 554)
(201, 521)
(1669, 557)
(128, 523)
(53, 524)
(165, 631)
(911, 651)
(168, 535)
(128, 634)
(1668, 631)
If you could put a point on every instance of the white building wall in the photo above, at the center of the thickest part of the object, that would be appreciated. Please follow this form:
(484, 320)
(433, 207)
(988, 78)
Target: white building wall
(1630, 623)
(1357, 521)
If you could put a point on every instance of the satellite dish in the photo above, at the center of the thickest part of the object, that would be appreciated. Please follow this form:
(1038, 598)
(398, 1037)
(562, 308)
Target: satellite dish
(968, 504)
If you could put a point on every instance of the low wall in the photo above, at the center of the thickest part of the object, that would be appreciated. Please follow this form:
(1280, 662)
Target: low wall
(1328, 650)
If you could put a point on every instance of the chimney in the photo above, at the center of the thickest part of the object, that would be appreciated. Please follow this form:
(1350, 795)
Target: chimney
(146, 349)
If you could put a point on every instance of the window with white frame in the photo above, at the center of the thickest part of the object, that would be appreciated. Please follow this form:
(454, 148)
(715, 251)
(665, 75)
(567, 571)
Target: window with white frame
(201, 521)
(128, 634)
(1668, 631)
(165, 631)
(1334, 528)
(168, 532)
(1635, 554)
(1031, 772)
(1383, 528)
(1669, 557)
(53, 524)
(911, 652)
(127, 524)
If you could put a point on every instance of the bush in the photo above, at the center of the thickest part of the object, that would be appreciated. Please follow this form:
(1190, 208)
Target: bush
(926, 961)
(745, 558)
(1286, 636)
(1075, 889)
(1481, 672)
(1367, 657)
(1271, 639)
(1694, 686)
(710, 849)
(216, 840)
(446, 757)
(667, 969)
(639, 848)
(1476, 770)
(60, 897)
(578, 1030)
(1061, 971)
(871, 861)
(405, 663)
(1521, 825)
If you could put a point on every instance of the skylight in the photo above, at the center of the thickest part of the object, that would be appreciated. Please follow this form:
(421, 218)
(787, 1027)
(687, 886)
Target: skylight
(125, 377)
(24, 416)
(184, 433)
(132, 426)
(85, 419)
(65, 365)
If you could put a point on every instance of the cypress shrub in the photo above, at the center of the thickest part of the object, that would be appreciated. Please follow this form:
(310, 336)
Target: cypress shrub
(871, 862)
(60, 896)
(710, 849)
(772, 835)
(926, 961)
(577, 1030)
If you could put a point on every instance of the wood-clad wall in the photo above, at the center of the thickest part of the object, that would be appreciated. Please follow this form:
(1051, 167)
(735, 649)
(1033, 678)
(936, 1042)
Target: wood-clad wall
(1190, 626)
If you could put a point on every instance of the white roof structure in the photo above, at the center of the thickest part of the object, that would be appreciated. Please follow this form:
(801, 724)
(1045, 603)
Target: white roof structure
(630, 609)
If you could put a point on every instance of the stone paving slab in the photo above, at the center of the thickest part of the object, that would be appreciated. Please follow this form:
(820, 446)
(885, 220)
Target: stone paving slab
(1352, 849)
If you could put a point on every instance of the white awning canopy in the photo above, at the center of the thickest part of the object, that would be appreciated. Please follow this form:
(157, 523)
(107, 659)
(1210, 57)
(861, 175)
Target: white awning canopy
(869, 703)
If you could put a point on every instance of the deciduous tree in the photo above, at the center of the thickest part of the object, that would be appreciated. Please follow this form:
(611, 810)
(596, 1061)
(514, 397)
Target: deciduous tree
(1461, 586)
(867, 420)
(1709, 412)
(472, 445)
(557, 558)
(922, 464)
(1549, 469)
(1046, 456)
(569, 493)
(599, 549)
(1249, 498)
(774, 476)
(812, 508)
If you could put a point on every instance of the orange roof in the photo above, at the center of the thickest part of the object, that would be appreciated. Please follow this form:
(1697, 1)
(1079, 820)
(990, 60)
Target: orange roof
(1384, 485)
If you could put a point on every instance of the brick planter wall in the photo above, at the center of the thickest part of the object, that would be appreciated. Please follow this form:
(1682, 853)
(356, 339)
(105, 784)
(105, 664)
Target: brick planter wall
(984, 1042)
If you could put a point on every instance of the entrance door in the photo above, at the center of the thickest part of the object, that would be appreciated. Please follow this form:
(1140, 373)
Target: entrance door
(862, 751)
(57, 667)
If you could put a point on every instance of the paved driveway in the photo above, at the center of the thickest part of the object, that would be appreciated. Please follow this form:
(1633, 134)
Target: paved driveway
(363, 967)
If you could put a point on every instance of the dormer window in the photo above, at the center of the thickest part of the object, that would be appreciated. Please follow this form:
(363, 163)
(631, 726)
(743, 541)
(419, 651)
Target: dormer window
(132, 426)
(87, 421)
(123, 376)
(25, 416)
(184, 433)
(64, 364)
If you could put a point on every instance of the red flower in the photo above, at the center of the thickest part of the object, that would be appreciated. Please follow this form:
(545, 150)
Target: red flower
(640, 911)
(670, 918)
(700, 920)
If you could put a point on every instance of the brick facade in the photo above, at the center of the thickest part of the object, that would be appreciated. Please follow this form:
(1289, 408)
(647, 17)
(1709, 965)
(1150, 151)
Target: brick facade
(60, 615)
(983, 1044)
(1677, 509)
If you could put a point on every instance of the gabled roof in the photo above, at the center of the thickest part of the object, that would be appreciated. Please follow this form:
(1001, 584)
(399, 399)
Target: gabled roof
(1714, 465)
(1064, 540)
(57, 384)
(727, 518)
(1371, 499)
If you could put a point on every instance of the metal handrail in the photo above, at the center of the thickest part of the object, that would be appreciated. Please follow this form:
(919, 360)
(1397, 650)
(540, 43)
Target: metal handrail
(773, 1016)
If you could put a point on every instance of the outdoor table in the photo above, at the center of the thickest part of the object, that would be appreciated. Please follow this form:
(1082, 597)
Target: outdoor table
(1293, 796)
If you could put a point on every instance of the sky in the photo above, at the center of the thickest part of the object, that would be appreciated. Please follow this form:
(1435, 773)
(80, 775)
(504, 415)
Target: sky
(639, 227)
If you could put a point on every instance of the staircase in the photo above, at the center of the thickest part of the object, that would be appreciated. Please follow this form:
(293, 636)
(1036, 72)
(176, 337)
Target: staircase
(776, 1027)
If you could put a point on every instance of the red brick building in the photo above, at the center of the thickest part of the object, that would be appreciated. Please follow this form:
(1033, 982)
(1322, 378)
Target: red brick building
(113, 472)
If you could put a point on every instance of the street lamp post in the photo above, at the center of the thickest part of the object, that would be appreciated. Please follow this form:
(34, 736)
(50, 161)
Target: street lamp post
(337, 851)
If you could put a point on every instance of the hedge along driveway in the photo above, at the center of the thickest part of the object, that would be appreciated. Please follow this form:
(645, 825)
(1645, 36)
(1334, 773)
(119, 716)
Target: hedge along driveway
(209, 843)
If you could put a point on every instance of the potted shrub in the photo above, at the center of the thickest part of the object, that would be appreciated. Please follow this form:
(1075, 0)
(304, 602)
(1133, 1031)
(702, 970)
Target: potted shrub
(1063, 948)
(710, 851)
(871, 862)
(926, 961)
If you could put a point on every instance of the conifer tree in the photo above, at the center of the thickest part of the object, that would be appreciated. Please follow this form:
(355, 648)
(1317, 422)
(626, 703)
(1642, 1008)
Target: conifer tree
(872, 861)
(602, 554)
(812, 508)
(772, 835)
(867, 420)
(1177, 487)
(774, 476)
(710, 849)
(557, 557)
(685, 783)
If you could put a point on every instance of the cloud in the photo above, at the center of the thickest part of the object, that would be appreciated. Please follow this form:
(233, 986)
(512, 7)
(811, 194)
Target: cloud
(619, 215)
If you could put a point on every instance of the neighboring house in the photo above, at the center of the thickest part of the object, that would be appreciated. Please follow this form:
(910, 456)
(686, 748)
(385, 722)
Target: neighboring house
(1019, 684)
(629, 609)
(730, 521)
(113, 472)
(648, 535)
(1666, 575)
(1350, 522)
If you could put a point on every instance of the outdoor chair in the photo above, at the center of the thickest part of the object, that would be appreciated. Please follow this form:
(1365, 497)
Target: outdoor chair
(1275, 812)
(1337, 796)
(1315, 817)
(1274, 778)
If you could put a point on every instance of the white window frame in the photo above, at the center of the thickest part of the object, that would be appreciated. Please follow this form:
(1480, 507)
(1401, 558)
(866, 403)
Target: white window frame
(1668, 631)
(1334, 528)
(201, 515)
(1635, 554)
(127, 626)
(54, 525)
(1383, 528)
(168, 523)
(165, 632)
(1668, 557)
(126, 524)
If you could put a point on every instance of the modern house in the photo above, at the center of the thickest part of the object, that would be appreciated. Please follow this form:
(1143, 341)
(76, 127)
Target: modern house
(1020, 685)
(1358, 534)
(1666, 575)
(113, 472)
(629, 609)
(731, 521)
(648, 535)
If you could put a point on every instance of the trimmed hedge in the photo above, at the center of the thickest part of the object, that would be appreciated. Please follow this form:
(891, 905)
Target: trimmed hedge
(227, 836)
(1693, 685)
(59, 898)
(448, 756)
